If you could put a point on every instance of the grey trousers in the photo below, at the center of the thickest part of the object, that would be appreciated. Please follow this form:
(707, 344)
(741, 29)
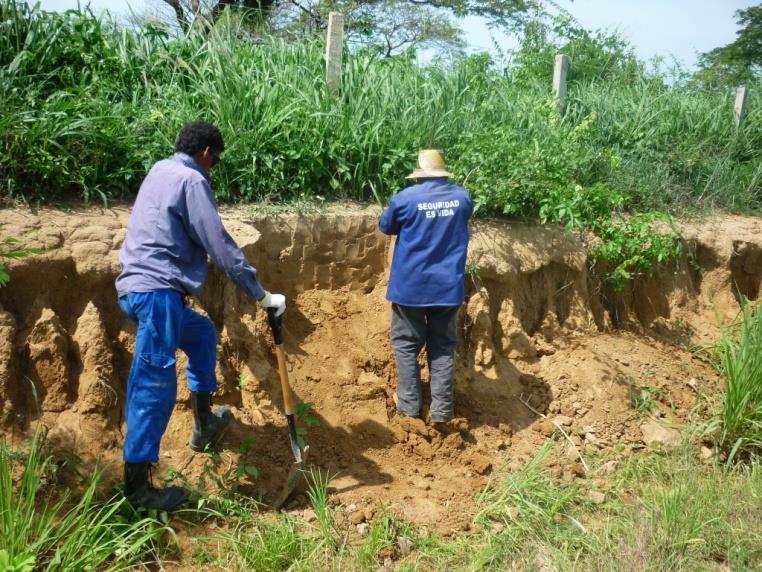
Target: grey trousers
(436, 328)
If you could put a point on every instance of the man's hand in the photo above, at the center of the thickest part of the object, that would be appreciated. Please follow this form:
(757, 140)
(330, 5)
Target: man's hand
(276, 301)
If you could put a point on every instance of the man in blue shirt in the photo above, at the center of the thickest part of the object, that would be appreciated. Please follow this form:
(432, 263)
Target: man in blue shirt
(173, 227)
(426, 283)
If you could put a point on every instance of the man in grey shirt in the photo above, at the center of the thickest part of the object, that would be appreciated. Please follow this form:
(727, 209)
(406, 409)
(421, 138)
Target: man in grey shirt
(173, 227)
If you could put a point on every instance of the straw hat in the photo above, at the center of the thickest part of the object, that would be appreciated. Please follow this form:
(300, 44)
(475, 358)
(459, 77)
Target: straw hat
(430, 164)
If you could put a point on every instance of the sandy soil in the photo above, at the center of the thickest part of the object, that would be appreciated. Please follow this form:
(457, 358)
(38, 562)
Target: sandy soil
(544, 344)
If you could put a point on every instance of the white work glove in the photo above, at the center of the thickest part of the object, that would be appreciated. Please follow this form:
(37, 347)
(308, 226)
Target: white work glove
(277, 301)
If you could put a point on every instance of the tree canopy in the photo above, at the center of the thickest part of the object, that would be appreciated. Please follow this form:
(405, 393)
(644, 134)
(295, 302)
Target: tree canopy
(740, 61)
(390, 26)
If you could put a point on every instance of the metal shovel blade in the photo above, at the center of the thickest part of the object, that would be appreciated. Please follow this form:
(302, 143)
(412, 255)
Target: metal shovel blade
(293, 479)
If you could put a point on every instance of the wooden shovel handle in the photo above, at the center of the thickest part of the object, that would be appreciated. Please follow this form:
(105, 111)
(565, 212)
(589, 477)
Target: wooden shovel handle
(276, 325)
(289, 402)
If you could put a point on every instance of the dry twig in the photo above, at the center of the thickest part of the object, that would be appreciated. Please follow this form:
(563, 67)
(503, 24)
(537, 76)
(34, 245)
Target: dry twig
(533, 410)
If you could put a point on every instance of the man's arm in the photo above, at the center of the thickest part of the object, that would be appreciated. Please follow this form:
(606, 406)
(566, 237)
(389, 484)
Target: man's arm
(206, 228)
(389, 222)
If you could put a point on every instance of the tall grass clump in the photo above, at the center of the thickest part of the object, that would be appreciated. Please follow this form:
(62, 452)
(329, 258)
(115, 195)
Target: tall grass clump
(267, 545)
(44, 527)
(738, 426)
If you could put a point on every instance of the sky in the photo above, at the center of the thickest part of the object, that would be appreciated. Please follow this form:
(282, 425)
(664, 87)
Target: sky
(679, 29)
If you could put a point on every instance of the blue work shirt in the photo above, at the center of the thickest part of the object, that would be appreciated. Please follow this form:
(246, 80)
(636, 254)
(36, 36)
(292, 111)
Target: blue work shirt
(173, 226)
(429, 265)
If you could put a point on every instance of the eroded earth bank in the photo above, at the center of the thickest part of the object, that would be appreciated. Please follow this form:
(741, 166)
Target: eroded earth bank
(543, 342)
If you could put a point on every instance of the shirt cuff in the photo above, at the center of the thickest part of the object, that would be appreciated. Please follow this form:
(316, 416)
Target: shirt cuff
(258, 292)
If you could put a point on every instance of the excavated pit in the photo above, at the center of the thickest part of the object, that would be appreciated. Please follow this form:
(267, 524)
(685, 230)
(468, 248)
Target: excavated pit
(537, 327)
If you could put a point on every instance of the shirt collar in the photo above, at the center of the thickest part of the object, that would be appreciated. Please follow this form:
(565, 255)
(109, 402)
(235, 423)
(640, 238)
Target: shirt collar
(189, 161)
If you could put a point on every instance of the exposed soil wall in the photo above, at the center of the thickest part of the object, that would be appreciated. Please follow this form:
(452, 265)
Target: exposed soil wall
(537, 328)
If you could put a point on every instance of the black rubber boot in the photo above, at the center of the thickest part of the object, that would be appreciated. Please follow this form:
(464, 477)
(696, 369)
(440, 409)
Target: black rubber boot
(140, 493)
(210, 425)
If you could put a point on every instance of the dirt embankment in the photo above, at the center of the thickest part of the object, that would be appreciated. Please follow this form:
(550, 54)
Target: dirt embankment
(538, 332)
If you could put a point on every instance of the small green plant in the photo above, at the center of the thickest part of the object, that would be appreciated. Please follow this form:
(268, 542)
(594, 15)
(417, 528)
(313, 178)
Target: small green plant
(678, 518)
(473, 272)
(525, 502)
(738, 426)
(472, 269)
(22, 563)
(645, 398)
(626, 246)
(265, 545)
(633, 246)
(304, 414)
(684, 333)
(11, 248)
(384, 533)
(224, 475)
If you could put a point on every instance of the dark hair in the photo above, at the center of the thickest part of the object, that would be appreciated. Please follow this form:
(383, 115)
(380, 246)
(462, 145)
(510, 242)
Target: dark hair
(197, 136)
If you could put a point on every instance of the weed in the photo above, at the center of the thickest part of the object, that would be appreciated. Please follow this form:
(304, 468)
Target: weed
(304, 414)
(684, 334)
(318, 497)
(645, 398)
(42, 527)
(263, 544)
(738, 427)
(526, 504)
(11, 248)
(218, 485)
(385, 534)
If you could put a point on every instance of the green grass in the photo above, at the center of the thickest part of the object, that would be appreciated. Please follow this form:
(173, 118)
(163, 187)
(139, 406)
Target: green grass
(87, 107)
(266, 544)
(45, 526)
(661, 511)
(738, 426)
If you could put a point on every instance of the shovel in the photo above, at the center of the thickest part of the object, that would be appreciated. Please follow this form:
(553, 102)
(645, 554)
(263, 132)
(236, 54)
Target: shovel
(289, 404)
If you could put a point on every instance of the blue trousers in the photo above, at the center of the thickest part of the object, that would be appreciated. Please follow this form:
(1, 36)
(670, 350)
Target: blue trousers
(164, 324)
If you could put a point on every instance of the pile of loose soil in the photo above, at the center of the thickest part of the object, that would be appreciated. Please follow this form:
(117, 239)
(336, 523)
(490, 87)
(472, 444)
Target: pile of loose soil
(544, 345)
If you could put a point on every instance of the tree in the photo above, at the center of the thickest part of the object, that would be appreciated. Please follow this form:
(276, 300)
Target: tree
(391, 26)
(184, 15)
(498, 12)
(595, 54)
(396, 26)
(740, 61)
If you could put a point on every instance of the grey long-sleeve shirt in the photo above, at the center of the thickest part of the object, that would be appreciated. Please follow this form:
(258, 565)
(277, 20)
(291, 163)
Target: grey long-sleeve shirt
(173, 226)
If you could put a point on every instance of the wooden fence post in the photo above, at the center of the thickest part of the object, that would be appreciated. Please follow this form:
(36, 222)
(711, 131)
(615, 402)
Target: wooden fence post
(740, 108)
(559, 78)
(333, 50)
